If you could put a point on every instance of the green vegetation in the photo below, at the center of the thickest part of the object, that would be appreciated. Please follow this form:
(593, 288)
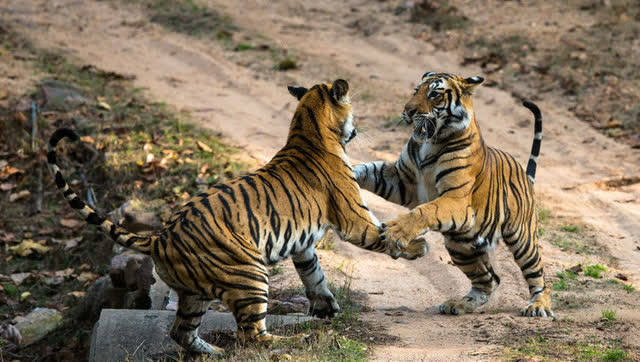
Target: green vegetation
(609, 314)
(186, 16)
(565, 279)
(629, 288)
(287, 63)
(243, 46)
(326, 243)
(543, 348)
(543, 214)
(570, 228)
(594, 271)
(275, 270)
(343, 338)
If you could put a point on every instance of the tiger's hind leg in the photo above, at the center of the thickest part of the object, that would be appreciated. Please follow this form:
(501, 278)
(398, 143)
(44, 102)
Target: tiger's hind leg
(477, 267)
(184, 330)
(524, 246)
(248, 303)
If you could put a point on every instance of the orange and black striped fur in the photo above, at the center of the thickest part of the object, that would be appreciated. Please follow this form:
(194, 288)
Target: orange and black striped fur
(219, 244)
(475, 195)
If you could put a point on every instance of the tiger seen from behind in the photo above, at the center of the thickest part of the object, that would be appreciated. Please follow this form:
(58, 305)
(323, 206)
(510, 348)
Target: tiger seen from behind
(475, 195)
(219, 244)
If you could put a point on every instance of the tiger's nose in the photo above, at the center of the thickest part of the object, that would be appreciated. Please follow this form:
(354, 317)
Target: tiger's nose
(410, 110)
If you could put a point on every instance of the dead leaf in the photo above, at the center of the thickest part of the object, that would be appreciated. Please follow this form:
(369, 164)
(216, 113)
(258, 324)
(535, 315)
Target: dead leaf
(7, 186)
(612, 124)
(204, 147)
(576, 268)
(28, 247)
(24, 296)
(72, 243)
(87, 139)
(71, 223)
(19, 278)
(63, 273)
(7, 171)
(7, 237)
(87, 277)
(77, 294)
(622, 277)
(20, 195)
(104, 105)
(55, 280)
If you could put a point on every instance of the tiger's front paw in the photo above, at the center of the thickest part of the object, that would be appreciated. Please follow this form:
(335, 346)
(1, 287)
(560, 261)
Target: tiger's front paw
(400, 235)
(417, 248)
(323, 306)
(540, 307)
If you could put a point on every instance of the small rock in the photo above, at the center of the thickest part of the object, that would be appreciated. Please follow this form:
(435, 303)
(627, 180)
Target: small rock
(37, 324)
(60, 96)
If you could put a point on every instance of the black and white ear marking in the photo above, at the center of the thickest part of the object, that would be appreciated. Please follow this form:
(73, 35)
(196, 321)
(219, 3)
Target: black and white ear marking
(297, 92)
(428, 74)
(339, 90)
(474, 80)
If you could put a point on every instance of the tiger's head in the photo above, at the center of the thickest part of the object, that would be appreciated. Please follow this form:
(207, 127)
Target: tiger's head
(441, 106)
(326, 109)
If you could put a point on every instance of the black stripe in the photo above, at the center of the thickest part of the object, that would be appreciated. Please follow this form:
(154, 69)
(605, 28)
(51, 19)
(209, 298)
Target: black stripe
(60, 180)
(76, 203)
(443, 173)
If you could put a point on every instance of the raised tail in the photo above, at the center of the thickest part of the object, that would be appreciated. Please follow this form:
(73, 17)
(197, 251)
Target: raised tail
(120, 235)
(537, 140)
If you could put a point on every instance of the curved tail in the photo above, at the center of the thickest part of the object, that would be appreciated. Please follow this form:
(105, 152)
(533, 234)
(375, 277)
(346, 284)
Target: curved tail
(537, 140)
(120, 235)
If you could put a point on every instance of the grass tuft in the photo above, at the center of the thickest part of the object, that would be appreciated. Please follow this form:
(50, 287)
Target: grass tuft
(594, 271)
(609, 314)
(287, 63)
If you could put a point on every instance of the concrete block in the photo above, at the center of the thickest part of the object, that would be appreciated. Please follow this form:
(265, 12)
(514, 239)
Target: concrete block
(137, 335)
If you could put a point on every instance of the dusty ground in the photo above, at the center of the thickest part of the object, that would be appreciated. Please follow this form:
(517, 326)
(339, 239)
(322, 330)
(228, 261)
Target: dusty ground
(578, 182)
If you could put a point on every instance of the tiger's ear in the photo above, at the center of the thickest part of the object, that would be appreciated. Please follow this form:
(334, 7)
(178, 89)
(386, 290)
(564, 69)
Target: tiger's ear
(428, 74)
(471, 83)
(340, 90)
(297, 92)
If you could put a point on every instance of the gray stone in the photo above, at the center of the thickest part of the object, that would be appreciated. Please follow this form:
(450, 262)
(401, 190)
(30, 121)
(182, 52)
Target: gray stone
(37, 324)
(60, 96)
(137, 335)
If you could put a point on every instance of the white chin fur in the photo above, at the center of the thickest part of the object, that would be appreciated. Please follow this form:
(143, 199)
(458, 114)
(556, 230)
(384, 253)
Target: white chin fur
(348, 127)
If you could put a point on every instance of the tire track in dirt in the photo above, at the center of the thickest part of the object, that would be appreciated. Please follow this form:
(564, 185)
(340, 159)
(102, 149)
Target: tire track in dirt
(195, 75)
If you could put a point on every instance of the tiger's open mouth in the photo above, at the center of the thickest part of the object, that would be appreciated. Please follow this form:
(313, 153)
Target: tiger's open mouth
(425, 128)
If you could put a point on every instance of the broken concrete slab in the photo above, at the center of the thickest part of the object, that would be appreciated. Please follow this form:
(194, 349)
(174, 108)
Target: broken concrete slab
(137, 335)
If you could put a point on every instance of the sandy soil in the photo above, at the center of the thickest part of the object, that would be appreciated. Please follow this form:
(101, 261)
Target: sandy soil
(252, 109)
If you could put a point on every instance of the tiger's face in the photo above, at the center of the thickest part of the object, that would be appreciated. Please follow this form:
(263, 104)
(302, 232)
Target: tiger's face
(334, 98)
(441, 106)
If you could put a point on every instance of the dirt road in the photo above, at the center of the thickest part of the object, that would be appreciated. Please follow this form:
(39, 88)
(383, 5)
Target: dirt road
(252, 109)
